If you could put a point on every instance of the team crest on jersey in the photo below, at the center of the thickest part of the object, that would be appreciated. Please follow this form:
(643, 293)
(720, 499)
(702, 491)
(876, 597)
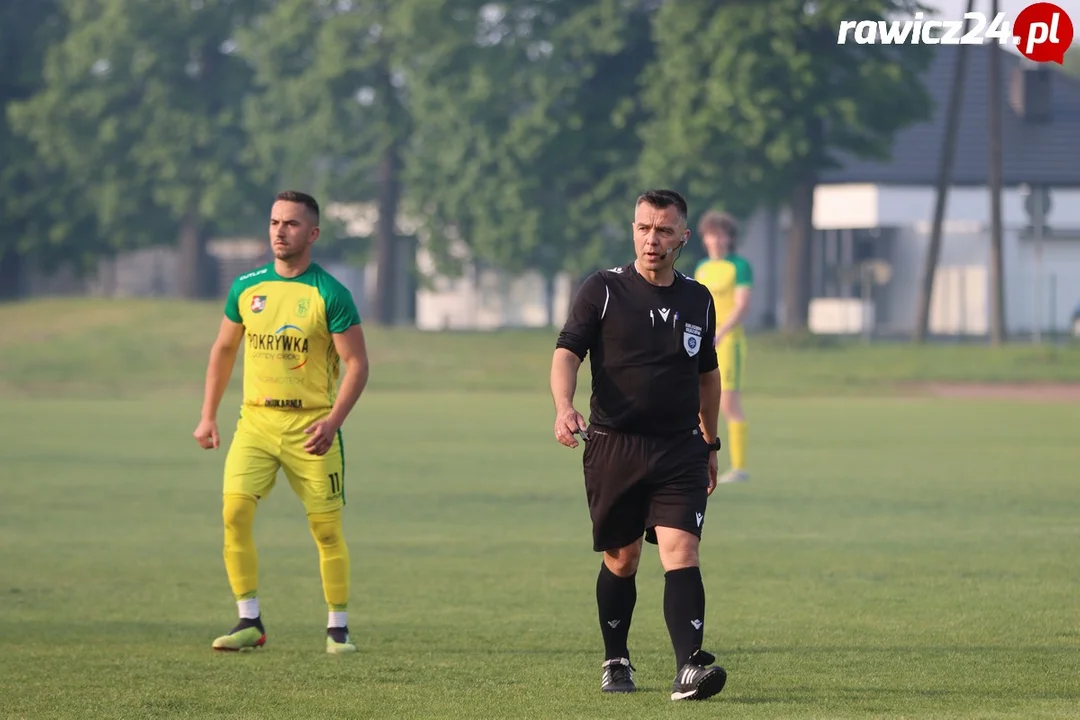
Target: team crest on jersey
(258, 303)
(302, 307)
(691, 339)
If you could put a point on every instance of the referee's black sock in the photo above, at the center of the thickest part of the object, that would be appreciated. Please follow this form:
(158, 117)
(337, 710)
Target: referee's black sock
(684, 611)
(615, 599)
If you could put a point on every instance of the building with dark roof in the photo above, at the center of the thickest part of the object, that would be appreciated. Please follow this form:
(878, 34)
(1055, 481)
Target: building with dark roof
(882, 210)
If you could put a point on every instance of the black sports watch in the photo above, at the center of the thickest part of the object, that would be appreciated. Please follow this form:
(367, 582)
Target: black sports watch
(715, 445)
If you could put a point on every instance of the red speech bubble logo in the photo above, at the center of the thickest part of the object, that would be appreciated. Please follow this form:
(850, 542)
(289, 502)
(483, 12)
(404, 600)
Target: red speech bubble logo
(1043, 32)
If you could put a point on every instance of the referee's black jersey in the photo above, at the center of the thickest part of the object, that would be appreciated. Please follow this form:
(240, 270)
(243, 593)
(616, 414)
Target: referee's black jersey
(647, 347)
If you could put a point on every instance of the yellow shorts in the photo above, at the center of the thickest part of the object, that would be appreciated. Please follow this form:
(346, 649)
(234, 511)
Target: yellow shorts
(731, 354)
(267, 440)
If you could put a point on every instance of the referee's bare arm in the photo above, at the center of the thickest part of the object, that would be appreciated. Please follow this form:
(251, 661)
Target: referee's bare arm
(575, 340)
(564, 370)
(709, 379)
(710, 404)
(709, 391)
(709, 388)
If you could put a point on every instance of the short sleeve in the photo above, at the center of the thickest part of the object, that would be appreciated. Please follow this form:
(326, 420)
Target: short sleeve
(744, 275)
(232, 304)
(341, 312)
(707, 360)
(582, 326)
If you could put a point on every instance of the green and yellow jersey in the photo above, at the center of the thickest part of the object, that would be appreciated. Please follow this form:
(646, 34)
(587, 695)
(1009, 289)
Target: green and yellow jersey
(290, 361)
(722, 277)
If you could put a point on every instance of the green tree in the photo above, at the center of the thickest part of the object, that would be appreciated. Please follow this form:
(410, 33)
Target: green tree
(751, 101)
(524, 147)
(46, 218)
(141, 107)
(1072, 60)
(329, 114)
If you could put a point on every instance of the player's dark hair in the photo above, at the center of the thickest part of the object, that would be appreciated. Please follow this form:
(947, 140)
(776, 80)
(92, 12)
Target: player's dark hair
(715, 221)
(662, 199)
(304, 199)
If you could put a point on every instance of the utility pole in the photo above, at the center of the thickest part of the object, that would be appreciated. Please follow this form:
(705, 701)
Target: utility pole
(1037, 204)
(948, 153)
(997, 273)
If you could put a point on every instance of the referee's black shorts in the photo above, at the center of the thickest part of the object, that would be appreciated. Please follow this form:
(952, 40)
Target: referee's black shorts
(635, 483)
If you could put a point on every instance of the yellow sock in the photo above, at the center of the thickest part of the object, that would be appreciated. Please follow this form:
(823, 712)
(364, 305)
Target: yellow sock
(241, 560)
(737, 444)
(333, 558)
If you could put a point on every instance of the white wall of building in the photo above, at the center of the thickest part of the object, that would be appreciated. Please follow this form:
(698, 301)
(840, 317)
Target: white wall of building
(961, 301)
(486, 299)
(867, 206)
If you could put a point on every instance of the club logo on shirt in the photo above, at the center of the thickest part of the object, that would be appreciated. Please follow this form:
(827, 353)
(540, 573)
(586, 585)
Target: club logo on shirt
(691, 339)
(258, 303)
(302, 307)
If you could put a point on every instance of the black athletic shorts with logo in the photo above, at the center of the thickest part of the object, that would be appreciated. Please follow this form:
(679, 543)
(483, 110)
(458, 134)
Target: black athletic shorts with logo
(636, 482)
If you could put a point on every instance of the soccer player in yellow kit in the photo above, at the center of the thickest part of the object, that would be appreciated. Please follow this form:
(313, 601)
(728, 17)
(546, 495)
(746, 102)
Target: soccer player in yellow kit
(729, 278)
(299, 327)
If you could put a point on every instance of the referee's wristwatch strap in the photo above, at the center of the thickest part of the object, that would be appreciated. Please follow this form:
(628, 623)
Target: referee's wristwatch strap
(715, 444)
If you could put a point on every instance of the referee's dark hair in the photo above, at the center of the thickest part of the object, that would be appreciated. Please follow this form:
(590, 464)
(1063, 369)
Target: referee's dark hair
(304, 199)
(662, 199)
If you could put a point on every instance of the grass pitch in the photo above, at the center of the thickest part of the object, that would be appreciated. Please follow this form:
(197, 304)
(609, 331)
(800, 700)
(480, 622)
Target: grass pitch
(891, 558)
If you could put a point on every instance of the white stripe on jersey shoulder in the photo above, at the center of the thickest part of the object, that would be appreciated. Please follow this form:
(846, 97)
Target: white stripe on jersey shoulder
(688, 278)
(607, 290)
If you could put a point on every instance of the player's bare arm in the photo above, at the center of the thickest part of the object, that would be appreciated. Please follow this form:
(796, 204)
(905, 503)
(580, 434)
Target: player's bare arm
(218, 371)
(709, 387)
(352, 349)
(735, 318)
(564, 370)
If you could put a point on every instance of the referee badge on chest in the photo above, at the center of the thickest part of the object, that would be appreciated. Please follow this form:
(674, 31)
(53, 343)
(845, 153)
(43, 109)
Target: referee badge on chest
(691, 339)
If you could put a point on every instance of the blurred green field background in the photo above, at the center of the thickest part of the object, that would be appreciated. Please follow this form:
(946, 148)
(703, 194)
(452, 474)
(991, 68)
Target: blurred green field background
(96, 348)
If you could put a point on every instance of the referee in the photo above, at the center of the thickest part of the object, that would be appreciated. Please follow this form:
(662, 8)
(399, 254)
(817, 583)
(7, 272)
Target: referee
(650, 448)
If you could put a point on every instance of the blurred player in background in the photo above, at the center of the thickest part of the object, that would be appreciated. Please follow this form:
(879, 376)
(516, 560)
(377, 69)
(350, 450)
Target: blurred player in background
(650, 453)
(729, 278)
(299, 327)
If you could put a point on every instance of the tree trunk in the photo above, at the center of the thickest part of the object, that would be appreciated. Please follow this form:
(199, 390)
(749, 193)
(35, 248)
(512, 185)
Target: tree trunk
(12, 269)
(797, 263)
(407, 278)
(385, 310)
(196, 278)
(997, 272)
(772, 269)
(549, 299)
(933, 251)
